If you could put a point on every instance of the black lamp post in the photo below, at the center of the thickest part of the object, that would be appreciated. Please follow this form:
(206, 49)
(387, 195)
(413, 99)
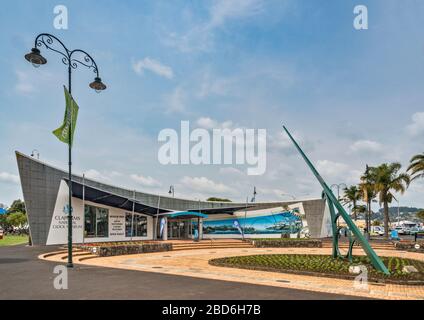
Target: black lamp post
(338, 187)
(254, 195)
(171, 191)
(51, 42)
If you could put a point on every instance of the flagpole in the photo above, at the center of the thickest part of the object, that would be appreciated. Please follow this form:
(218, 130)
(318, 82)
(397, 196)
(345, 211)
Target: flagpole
(157, 218)
(132, 215)
(70, 263)
(83, 206)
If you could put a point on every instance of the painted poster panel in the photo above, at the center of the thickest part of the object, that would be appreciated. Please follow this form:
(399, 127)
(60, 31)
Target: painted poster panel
(278, 223)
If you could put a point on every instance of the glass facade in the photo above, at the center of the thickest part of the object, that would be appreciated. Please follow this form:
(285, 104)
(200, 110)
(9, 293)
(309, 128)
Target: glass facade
(96, 222)
(139, 225)
(180, 229)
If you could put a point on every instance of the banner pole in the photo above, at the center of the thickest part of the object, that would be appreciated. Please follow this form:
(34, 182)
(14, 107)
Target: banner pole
(83, 206)
(132, 216)
(157, 218)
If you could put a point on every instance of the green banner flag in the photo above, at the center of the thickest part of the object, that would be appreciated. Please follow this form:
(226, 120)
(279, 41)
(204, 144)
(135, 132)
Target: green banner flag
(69, 121)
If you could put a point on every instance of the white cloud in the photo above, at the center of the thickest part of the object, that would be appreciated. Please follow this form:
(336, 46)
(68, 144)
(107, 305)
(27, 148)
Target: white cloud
(416, 128)
(223, 10)
(176, 101)
(200, 36)
(366, 146)
(208, 123)
(231, 171)
(203, 184)
(102, 176)
(336, 172)
(24, 84)
(145, 181)
(275, 193)
(214, 86)
(331, 169)
(153, 66)
(8, 177)
(96, 175)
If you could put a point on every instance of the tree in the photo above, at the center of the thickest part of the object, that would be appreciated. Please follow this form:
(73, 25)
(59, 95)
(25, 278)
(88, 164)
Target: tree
(368, 193)
(420, 215)
(17, 206)
(17, 219)
(351, 196)
(416, 167)
(389, 180)
(376, 223)
(4, 224)
(218, 199)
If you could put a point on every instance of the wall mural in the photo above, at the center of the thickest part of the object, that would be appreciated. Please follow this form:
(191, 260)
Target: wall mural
(278, 223)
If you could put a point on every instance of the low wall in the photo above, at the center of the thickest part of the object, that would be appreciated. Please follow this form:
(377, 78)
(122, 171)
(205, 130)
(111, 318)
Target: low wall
(118, 250)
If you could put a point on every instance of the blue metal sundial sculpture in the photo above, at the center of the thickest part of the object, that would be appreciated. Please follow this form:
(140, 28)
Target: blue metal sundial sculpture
(353, 232)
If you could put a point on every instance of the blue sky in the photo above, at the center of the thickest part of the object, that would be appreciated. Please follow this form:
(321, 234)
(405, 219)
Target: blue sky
(351, 97)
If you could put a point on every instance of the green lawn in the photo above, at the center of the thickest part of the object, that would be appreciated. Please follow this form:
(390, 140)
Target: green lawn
(13, 240)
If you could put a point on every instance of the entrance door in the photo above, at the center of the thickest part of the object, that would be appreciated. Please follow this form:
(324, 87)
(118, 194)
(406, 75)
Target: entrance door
(179, 229)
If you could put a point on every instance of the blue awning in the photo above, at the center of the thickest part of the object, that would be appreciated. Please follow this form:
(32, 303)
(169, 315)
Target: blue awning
(3, 211)
(187, 215)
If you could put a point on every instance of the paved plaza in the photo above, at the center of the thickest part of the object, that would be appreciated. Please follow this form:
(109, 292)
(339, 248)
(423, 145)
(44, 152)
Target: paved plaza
(194, 263)
(24, 276)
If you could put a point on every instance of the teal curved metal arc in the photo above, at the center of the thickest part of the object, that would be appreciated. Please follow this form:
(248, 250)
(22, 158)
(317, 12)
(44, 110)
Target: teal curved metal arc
(332, 200)
(187, 213)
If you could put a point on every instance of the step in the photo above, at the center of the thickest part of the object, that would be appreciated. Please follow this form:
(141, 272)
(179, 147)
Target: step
(92, 256)
(210, 243)
(77, 255)
(51, 254)
(55, 253)
(213, 245)
(211, 248)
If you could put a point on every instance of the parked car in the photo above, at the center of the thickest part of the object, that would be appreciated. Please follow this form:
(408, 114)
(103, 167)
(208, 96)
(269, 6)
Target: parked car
(402, 230)
(377, 230)
(414, 230)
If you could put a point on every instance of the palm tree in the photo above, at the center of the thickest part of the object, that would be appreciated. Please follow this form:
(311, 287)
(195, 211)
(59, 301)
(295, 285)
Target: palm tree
(351, 196)
(368, 193)
(387, 180)
(416, 166)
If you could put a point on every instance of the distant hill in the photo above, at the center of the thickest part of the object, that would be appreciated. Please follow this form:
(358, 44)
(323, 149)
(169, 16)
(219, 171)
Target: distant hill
(406, 213)
(394, 210)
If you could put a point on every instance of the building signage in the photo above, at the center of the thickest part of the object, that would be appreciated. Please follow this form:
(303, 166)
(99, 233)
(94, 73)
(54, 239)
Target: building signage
(117, 225)
(58, 232)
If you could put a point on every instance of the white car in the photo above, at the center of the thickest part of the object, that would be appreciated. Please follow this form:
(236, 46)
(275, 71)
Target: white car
(401, 230)
(378, 230)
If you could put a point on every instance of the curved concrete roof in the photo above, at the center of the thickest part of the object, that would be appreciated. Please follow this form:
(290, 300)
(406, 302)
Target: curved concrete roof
(165, 202)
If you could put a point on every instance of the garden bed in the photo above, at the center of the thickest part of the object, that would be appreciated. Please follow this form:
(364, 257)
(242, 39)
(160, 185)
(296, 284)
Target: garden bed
(286, 243)
(326, 266)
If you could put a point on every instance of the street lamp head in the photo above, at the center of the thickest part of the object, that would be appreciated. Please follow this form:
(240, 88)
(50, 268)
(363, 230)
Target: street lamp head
(97, 85)
(35, 58)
